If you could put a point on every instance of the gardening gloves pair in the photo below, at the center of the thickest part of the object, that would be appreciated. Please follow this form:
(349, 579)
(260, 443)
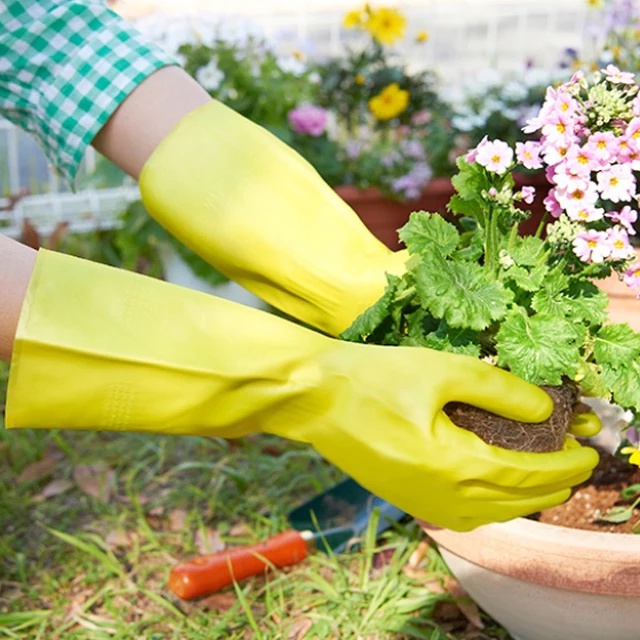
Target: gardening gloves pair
(107, 349)
(256, 210)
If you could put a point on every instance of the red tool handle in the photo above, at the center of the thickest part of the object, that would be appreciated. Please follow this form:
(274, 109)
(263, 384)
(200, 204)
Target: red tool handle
(208, 574)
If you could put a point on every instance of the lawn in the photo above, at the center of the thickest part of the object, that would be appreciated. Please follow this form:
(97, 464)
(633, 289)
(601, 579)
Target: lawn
(93, 522)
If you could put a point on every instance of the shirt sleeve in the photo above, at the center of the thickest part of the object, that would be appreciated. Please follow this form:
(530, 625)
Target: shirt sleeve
(65, 66)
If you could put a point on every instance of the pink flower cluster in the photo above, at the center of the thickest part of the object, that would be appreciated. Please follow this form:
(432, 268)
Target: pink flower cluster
(308, 119)
(591, 171)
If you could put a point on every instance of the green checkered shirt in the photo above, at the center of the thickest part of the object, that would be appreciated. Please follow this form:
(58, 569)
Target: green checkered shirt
(65, 66)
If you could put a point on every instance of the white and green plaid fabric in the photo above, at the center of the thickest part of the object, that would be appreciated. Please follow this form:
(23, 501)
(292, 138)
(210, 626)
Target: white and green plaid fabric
(65, 66)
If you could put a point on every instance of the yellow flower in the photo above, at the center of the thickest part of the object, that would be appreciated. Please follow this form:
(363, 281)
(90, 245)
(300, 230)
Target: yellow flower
(389, 103)
(422, 36)
(359, 79)
(353, 19)
(386, 25)
(633, 453)
(595, 4)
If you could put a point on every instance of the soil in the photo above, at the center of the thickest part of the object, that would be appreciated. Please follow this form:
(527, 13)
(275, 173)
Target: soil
(596, 496)
(520, 436)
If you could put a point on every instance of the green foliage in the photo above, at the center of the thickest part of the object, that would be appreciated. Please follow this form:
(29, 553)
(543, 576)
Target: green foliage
(524, 303)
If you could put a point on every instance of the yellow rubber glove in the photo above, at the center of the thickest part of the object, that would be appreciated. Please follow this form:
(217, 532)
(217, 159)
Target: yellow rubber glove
(257, 211)
(103, 348)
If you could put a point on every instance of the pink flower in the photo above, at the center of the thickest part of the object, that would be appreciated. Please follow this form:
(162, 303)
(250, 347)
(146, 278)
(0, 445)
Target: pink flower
(528, 154)
(615, 76)
(603, 145)
(528, 194)
(632, 276)
(307, 119)
(552, 205)
(591, 246)
(618, 240)
(580, 198)
(586, 214)
(617, 183)
(494, 155)
(626, 217)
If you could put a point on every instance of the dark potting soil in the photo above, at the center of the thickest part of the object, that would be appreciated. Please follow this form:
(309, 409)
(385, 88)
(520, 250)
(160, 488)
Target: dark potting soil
(596, 496)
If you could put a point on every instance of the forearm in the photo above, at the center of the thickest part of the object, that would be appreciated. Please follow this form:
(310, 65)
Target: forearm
(147, 116)
(16, 265)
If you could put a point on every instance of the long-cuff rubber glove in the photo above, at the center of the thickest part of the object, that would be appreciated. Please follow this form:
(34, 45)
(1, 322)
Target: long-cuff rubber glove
(256, 210)
(102, 348)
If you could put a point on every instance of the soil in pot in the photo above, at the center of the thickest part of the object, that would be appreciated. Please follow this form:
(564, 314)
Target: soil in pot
(596, 496)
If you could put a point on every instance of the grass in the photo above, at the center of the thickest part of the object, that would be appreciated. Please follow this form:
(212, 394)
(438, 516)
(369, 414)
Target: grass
(93, 522)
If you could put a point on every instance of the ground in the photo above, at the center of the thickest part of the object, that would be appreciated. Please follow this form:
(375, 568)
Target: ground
(93, 522)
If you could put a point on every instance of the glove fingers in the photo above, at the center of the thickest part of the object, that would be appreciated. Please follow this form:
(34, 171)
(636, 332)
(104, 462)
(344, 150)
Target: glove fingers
(495, 390)
(585, 425)
(488, 492)
(502, 511)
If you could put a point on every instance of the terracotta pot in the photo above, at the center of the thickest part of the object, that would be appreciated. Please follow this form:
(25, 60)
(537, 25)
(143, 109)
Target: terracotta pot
(543, 582)
(383, 216)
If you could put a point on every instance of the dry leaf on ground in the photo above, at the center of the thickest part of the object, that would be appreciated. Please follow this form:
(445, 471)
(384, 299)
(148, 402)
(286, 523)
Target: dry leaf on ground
(468, 608)
(208, 541)
(96, 480)
(40, 469)
(177, 520)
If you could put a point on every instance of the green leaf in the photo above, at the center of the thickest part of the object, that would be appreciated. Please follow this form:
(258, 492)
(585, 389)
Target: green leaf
(447, 339)
(624, 382)
(462, 293)
(462, 207)
(563, 298)
(541, 349)
(619, 514)
(528, 251)
(525, 279)
(616, 345)
(427, 232)
(590, 380)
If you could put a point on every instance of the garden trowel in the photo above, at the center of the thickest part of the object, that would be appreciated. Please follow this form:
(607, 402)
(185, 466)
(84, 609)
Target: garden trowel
(332, 522)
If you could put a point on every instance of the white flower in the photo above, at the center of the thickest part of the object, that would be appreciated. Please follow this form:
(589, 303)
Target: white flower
(210, 76)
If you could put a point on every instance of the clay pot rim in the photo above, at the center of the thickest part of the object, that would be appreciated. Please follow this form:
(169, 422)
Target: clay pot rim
(351, 192)
(552, 555)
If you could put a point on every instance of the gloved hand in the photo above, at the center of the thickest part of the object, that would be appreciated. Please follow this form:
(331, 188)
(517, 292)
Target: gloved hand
(257, 211)
(101, 348)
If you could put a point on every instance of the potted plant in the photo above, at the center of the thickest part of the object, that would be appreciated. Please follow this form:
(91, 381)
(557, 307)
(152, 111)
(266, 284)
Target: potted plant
(529, 304)
(373, 126)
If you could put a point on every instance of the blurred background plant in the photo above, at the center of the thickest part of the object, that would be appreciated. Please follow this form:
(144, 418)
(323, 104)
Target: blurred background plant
(496, 104)
(380, 114)
(613, 37)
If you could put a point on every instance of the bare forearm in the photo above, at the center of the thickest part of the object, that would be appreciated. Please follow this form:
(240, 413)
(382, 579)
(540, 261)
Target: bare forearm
(16, 265)
(146, 116)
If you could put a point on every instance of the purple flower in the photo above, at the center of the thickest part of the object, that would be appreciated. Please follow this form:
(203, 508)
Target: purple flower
(307, 119)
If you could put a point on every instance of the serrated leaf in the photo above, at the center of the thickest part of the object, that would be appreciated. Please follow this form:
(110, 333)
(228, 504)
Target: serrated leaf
(528, 251)
(463, 294)
(427, 232)
(564, 299)
(462, 207)
(445, 339)
(616, 345)
(525, 279)
(373, 317)
(540, 349)
(624, 383)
